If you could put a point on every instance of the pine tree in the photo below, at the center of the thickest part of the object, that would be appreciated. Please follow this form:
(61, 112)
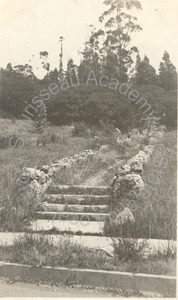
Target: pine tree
(167, 73)
(145, 73)
(9, 69)
(54, 75)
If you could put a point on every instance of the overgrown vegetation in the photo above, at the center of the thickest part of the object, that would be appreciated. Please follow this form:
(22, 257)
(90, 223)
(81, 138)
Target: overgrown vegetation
(40, 121)
(156, 217)
(88, 103)
(85, 169)
(107, 52)
(128, 249)
(40, 252)
(88, 168)
(94, 110)
(15, 209)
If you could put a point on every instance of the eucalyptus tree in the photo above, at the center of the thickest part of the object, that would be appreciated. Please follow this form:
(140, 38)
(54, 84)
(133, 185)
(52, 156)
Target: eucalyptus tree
(119, 27)
(91, 56)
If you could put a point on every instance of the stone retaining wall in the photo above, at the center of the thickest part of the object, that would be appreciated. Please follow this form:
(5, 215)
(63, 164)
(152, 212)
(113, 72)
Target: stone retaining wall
(40, 178)
(128, 182)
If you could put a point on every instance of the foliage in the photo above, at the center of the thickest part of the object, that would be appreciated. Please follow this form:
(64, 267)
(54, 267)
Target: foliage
(145, 73)
(107, 51)
(40, 121)
(155, 96)
(156, 217)
(53, 137)
(53, 75)
(119, 30)
(89, 170)
(170, 105)
(15, 211)
(16, 91)
(128, 249)
(92, 57)
(71, 73)
(82, 129)
(40, 251)
(91, 104)
(43, 57)
(167, 73)
(4, 141)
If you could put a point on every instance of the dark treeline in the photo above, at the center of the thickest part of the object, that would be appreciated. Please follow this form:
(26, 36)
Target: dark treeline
(107, 52)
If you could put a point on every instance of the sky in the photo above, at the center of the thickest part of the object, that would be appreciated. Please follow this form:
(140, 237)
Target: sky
(30, 26)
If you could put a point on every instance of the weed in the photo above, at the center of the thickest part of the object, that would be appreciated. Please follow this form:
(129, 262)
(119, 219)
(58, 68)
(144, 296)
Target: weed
(128, 249)
(40, 251)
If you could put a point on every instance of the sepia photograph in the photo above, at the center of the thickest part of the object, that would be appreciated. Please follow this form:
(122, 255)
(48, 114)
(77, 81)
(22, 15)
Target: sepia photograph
(88, 148)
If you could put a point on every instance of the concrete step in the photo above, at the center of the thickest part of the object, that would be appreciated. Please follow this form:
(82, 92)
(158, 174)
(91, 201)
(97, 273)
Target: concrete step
(77, 199)
(79, 190)
(81, 226)
(75, 216)
(75, 208)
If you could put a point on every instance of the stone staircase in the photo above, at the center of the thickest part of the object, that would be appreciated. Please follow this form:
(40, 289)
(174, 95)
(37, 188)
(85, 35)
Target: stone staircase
(73, 209)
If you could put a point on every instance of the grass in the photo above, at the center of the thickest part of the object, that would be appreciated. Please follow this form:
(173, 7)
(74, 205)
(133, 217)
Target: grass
(88, 169)
(40, 252)
(159, 212)
(65, 145)
(17, 209)
(155, 217)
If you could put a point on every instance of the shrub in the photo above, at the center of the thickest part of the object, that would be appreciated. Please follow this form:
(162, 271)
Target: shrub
(168, 253)
(40, 121)
(107, 127)
(4, 141)
(42, 140)
(16, 211)
(81, 129)
(128, 249)
(53, 138)
(113, 230)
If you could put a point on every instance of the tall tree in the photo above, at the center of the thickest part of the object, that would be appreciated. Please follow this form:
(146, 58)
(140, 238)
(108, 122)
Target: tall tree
(119, 29)
(54, 75)
(145, 73)
(167, 73)
(92, 57)
(61, 71)
(16, 91)
(71, 71)
(43, 57)
(9, 70)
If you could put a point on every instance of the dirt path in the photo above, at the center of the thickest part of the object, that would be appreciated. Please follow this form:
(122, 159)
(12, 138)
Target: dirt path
(96, 179)
(103, 176)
